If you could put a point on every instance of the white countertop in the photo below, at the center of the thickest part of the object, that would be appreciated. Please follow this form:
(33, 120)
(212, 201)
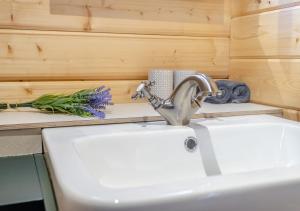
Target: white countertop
(121, 113)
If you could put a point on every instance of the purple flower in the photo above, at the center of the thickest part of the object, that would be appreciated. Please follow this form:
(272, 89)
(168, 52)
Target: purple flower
(95, 112)
(98, 100)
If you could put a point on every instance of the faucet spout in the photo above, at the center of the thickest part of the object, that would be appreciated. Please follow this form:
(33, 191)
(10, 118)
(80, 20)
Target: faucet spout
(185, 100)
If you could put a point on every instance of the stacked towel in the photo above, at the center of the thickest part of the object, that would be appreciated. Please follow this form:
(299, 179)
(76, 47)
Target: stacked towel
(233, 92)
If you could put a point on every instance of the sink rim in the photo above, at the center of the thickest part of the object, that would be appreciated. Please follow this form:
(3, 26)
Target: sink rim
(202, 187)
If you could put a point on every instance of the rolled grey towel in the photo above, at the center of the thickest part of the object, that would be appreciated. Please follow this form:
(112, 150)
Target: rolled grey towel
(233, 92)
(240, 94)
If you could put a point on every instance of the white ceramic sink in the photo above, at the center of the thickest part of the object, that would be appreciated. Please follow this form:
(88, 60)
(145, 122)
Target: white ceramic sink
(139, 158)
(248, 163)
(255, 146)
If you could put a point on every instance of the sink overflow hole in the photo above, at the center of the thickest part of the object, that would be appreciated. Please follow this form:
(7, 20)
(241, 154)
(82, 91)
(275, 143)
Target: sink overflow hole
(191, 144)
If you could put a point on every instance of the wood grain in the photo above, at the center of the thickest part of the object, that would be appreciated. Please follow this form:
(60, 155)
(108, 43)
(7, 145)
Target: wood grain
(204, 11)
(168, 17)
(265, 52)
(247, 7)
(272, 34)
(51, 46)
(45, 56)
(16, 92)
(291, 114)
(272, 81)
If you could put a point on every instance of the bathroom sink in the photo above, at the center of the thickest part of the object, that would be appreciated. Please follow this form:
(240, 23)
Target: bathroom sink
(121, 166)
(254, 145)
(247, 163)
(139, 158)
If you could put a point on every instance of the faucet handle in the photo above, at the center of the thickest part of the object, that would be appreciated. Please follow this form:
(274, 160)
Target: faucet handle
(137, 95)
(139, 90)
(149, 83)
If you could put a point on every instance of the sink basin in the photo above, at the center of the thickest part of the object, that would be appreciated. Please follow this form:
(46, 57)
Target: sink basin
(126, 159)
(247, 163)
(255, 146)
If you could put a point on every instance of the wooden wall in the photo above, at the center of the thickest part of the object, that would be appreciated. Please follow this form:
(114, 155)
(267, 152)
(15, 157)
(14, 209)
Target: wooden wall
(60, 46)
(265, 51)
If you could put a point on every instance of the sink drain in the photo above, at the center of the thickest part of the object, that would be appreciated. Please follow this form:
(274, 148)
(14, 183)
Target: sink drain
(191, 144)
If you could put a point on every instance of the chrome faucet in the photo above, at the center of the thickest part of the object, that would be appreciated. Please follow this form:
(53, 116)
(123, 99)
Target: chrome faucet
(185, 100)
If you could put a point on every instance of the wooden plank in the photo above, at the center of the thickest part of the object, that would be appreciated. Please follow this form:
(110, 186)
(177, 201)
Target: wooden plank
(16, 92)
(205, 11)
(40, 55)
(236, 8)
(267, 35)
(122, 113)
(247, 7)
(272, 81)
(168, 17)
(20, 142)
(291, 114)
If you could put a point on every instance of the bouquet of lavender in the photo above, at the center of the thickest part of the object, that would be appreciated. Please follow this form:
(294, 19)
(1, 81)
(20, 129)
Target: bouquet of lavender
(84, 103)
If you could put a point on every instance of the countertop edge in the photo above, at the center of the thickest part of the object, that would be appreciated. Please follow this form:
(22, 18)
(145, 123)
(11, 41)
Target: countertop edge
(275, 111)
(21, 135)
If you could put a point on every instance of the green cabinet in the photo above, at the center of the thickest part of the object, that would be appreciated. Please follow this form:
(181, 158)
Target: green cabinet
(25, 184)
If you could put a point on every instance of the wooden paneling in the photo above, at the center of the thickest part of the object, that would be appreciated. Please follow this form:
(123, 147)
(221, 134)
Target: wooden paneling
(168, 17)
(32, 55)
(271, 34)
(16, 92)
(265, 52)
(61, 46)
(291, 114)
(186, 11)
(272, 81)
(246, 7)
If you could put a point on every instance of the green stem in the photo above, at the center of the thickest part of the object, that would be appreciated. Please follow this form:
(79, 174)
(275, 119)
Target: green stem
(28, 105)
(3, 106)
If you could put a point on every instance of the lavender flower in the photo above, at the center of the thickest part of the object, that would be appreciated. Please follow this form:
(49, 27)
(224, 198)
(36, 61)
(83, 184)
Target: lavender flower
(97, 113)
(97, 101)
(100, 98)
(85, 103)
